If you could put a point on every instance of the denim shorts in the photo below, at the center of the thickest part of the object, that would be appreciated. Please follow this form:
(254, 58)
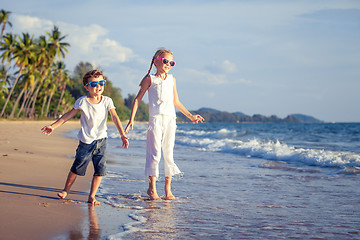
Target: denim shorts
(94, 151)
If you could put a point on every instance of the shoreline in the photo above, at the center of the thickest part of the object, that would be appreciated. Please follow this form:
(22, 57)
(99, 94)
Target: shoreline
(33, 169)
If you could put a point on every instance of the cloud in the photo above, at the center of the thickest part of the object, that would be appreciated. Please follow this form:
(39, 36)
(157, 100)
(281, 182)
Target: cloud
(88, 43)
(228, 66)
(225, 66)
(110, 51)
(33, 25)
(82, 38)
(218, 73)
(208, 77)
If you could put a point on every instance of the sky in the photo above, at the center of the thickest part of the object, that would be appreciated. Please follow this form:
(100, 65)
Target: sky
(269, 57)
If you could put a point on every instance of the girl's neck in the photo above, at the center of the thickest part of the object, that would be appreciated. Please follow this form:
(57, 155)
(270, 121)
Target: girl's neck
(162, 75)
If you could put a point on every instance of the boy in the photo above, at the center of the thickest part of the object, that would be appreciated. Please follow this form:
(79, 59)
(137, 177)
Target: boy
(92, 135)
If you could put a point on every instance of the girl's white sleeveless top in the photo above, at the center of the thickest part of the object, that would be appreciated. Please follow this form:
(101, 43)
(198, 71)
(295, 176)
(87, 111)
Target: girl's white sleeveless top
(161, 96)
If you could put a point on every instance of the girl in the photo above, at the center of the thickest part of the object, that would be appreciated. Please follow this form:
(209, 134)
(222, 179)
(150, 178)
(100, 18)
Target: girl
(163, 97)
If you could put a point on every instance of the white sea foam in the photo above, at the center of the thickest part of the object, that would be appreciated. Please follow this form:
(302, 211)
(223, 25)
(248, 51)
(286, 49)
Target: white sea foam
(215, 134)
(238, 141)
(130, 227)
(137, 218)
(275, 150)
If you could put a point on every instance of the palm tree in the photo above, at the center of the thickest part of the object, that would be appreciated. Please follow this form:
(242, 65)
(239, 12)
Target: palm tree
(50, 92)
(24, 56)
(27, 95)
(56, 45)
(64, 79)
(8, 48)
(43, 52)
(3, 89)
(44, 94)
(67, 102)
(4, 19)
(47, 54)
(26, 83)
(57, 70)
(43, 63)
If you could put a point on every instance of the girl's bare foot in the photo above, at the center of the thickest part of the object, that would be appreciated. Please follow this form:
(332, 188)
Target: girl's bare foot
(93, 201)
(169, 197)
(153, 195)
(168, 193)
(62, 195)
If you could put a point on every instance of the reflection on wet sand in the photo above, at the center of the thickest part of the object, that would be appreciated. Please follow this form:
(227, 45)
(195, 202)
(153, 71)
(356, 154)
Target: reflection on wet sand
(160, 223)
(93, 231)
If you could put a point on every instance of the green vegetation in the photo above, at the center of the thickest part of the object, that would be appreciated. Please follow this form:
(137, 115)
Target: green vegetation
(34, 81)
(213, 115)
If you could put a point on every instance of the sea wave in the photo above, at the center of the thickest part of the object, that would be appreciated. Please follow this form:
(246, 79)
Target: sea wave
(268, 142)
(274, 150)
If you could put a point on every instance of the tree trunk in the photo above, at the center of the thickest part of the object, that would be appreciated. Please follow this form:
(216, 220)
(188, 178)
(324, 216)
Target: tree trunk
(11, 91)
(61, 97)
(24, 103)
(2, 30)
(16, 103)
(43, 106)
(32, 111)
(48, 103)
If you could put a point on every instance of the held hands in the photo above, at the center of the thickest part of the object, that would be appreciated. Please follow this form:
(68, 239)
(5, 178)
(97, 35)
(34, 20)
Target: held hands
(47, 130)
(197, 118)
(125, 141)
(125, 138)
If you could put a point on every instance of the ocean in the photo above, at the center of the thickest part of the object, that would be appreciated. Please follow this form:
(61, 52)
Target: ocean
(240, 181)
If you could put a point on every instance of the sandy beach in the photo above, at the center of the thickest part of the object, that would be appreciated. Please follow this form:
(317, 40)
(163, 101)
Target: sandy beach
(33, 169)
(272, 190)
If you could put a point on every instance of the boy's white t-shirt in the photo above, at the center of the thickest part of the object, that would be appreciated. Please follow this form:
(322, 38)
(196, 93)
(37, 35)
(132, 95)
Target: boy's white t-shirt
(93, 118)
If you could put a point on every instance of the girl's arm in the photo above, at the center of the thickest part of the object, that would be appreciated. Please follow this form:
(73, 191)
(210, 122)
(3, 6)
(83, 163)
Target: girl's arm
(144, 86)
(183, 110)
(115, 118)
(64, 118)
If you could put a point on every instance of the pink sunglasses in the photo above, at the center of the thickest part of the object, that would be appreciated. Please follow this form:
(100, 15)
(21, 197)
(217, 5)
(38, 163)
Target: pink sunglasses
(165, 61)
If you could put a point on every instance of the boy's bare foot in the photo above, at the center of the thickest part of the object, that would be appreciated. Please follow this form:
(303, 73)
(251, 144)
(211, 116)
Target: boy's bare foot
(93, 201)
(62, 195)
(153, 195)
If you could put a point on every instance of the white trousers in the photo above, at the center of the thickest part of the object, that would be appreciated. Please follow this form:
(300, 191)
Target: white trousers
(161, 135)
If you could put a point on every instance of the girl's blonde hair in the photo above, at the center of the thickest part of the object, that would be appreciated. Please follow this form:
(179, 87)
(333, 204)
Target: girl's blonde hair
(157, 54)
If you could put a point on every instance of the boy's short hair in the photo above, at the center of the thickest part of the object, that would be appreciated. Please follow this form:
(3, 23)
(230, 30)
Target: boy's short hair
(92, 74)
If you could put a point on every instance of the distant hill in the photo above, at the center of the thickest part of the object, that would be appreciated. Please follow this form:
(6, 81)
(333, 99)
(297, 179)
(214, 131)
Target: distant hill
(210, 110)
(213, 115)
(305, 118)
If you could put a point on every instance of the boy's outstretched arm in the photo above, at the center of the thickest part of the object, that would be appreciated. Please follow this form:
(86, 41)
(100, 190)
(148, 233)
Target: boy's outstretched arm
(182, 108)
(115, 118)
(64, 118)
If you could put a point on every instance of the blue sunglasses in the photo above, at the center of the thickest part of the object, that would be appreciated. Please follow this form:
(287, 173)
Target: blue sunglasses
(94, 84)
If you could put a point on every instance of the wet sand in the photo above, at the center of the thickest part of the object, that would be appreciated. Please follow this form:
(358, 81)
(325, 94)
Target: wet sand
(33, 169)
